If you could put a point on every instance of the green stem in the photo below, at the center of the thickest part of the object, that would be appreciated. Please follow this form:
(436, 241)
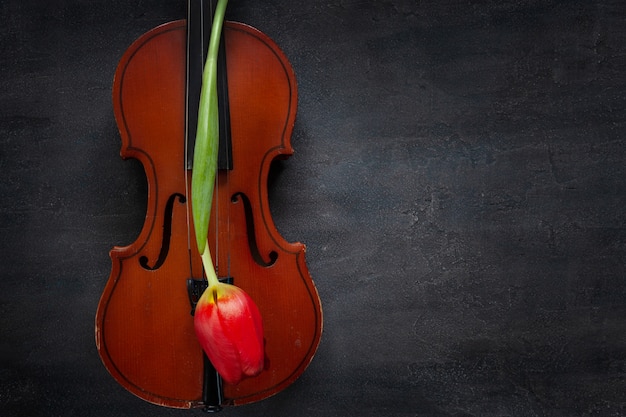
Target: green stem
(216, 29)
(209, 269)
(207, 136)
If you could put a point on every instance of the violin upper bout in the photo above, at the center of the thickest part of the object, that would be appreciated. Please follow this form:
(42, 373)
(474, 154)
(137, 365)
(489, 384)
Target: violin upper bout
(149, 94)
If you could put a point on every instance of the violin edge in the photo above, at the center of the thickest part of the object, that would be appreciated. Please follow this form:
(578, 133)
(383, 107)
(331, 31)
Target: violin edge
(119, 253)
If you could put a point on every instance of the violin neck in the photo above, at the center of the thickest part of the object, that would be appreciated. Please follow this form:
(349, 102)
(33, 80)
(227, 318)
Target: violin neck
(199, 22)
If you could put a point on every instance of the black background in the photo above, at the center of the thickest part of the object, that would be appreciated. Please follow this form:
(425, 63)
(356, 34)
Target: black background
(459, 181)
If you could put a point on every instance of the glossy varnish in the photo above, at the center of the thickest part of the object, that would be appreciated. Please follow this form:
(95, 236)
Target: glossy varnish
(144, 329)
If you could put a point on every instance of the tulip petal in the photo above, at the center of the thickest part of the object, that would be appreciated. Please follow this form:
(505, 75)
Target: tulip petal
(219, 349)
(245, 332)
(229, 327)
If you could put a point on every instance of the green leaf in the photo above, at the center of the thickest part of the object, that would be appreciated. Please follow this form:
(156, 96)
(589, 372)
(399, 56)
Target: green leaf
(207, 136)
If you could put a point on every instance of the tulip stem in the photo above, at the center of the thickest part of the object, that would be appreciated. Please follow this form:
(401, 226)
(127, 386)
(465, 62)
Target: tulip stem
(207, 135)
(209, 269)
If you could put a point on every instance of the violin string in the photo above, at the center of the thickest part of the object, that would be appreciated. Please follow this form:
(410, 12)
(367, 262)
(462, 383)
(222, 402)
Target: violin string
(186, 152)
(229, 199)
(227, 154)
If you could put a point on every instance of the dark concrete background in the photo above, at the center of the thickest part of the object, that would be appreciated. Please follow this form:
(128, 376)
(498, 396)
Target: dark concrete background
(459, 180)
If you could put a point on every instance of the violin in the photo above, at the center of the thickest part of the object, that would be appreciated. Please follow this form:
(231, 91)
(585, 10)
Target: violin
(144, 322)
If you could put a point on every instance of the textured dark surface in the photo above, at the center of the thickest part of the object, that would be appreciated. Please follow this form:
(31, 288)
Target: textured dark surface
(459, 180)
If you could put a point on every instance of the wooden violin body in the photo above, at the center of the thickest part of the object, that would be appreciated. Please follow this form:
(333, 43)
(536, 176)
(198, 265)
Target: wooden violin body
(144, 329)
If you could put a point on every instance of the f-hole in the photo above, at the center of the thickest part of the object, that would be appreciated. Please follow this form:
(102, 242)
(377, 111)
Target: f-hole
(167, 233)
(252, 244)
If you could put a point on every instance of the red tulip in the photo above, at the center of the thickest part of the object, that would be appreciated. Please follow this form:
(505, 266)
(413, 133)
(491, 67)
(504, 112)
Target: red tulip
(230, 330)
